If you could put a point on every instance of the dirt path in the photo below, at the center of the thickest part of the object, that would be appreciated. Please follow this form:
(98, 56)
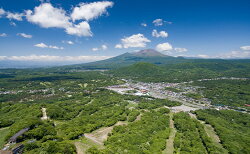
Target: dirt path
(101, 135)
(138, 117)
(79, 148)
(170, 141)
(210, 133)
(44, 117)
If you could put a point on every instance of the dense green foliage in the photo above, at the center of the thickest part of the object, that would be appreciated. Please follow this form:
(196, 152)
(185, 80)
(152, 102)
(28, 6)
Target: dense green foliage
(147, 135)
(226, 92)
(191, 136)
(77, 102)
(232, 128)
(189, 71)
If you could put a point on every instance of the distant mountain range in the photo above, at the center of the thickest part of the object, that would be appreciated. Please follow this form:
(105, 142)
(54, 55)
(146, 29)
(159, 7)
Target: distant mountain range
(148, 55)
(126, 59)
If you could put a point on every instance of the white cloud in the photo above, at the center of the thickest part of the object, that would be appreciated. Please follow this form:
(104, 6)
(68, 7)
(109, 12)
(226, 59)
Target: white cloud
(118, 46)
(203, 56)
(16, 16)
(82, 29)
(180, 49)
(144, 24)
(56, 47)
(24, 35)
(162, 34)
(158, 22)
(45, 58)
(235, 54)
(135, 41)
(3, 34)
(3, 57)
(42, 45)
(47, 16)
(89, 11)
(245, 48)
(104, 47)
(164, 47)
(68, 42)
(2, 12)
(12, 24)
(95, 49)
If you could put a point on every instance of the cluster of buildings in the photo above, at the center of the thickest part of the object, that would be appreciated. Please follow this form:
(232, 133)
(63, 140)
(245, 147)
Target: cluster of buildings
(28, 91)
(224, 78)
(162, 90)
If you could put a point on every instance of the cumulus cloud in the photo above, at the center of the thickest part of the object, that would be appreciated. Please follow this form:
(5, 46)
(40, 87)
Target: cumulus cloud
(12, 24)
(24, 35)
(15, 16)
(47, 16)
(68, 42)
(135, 41)
(42, 45)
(160, 22)
(144, 24)
(90, 11)
(3, 34)
(95, 49)
(235, 54)
(82, 29)
(245, 48)
(2, 12)
(103, 47)
(47, 58)
(164, 47)
(162, 34)
(203, 56)
(118, 46)
(180, 49)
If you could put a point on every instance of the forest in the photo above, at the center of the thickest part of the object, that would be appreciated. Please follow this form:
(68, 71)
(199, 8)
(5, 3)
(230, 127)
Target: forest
(232, 128)
(78, 103)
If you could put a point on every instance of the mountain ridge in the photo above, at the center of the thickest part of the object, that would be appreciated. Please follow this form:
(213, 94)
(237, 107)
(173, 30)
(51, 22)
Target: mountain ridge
(129, 58)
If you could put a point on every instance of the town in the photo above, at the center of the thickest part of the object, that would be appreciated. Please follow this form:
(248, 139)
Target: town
(173, 91)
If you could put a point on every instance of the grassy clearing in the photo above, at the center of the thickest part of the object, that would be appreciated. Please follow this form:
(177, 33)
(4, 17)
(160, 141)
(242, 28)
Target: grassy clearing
(170, 141)
(211, 133)
(215, 138)
(3, 132)
(83, 144)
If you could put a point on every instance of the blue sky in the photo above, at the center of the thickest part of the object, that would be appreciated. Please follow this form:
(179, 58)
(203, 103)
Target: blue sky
(93, 30)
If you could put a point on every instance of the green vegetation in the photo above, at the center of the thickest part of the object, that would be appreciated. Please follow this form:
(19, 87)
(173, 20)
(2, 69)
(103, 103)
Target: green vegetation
(172, 89)
(232, 128)
(78, 104)
(191, 136)
(4, 132)
(147, 135)
(189, 71)
(226, 92)
(156, 103)
(194, 96)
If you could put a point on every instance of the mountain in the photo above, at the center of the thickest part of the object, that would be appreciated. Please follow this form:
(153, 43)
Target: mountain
(126, 59)
(139, 69)
(149, 53)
